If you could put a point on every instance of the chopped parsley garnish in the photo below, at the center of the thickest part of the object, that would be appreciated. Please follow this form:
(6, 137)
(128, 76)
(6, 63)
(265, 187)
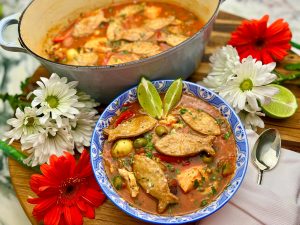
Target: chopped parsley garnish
(124, 108)
(170, 167)
(181, 121)
(213, 190)
(204, 202)
(196, 183)
(177, 171)
(227, 135)
(125, 52)
(148, 137)
(183, 111)
(149, 154)
(203, 179)
(213, 177)
(219, 121)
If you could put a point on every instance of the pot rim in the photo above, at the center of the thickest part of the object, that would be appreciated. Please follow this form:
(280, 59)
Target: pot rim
(120, 65)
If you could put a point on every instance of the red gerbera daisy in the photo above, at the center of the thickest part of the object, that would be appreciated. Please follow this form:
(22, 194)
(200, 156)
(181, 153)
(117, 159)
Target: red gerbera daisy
(267, 44)
(66, 191)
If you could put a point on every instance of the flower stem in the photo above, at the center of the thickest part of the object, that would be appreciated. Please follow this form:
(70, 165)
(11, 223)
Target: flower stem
(16, 155)
(292, 66)
(295, 45)
(283, 78)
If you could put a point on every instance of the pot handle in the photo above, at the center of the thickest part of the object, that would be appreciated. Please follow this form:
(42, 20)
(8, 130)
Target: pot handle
(4, 23)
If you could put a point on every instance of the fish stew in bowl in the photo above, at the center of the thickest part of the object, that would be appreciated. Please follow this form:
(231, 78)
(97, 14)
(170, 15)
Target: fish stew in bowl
(174, 165)
(121, 33)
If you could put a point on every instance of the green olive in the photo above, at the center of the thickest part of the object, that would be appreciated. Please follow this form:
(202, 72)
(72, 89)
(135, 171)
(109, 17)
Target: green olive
(206, 158)
(140, 142)
(122, 148)
(161, 130)
(117, 182)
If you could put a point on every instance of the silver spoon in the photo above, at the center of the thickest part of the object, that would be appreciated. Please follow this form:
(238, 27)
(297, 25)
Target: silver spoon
(266, 151)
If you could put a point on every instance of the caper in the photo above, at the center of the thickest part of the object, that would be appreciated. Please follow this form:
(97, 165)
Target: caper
(206, 158)
(122, 148)
(139, 143)
(117, 182)
(161, 130)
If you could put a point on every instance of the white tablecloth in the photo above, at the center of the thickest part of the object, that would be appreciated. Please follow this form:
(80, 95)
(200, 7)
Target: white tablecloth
(275, 202)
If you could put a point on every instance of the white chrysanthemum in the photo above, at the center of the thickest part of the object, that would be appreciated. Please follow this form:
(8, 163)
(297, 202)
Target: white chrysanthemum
(89, 103)
(55, 97)
(251, 118)
(25, 123)
(249, 85)
(223, 63)
(82, 129)
(52, 140)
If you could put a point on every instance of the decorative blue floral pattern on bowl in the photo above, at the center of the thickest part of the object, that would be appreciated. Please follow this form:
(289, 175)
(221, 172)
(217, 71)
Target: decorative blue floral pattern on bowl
(162, 86)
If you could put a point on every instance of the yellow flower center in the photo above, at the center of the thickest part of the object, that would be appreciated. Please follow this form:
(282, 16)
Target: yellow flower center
(52, 101)
(246, 85)
(30, 121)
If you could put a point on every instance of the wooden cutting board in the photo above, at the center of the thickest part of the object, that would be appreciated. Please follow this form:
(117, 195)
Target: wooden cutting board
(108, 214)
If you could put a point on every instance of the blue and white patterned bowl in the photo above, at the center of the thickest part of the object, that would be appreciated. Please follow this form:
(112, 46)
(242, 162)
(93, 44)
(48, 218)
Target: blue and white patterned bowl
(190, 88)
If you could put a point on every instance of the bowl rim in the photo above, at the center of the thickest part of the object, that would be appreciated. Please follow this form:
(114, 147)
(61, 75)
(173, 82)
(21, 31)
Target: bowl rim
(120, 65)
(245, 166)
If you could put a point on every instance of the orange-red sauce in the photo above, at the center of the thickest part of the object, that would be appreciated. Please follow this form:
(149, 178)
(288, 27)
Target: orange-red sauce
(185, 25)
(224, 146)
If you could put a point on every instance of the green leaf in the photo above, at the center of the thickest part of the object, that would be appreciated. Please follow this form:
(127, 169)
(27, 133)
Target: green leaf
(149, 99)
(172, 96)
(24, 84)
(15, 101)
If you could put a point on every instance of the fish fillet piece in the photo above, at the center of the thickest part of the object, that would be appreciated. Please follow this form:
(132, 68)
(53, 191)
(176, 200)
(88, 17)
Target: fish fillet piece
(130, 10)
(137, 34)
(172, 39)
(130, 182)
(85, 59)
(201, 122)
(152, 12)
(122, 58)
(87, 25)
(114, 30)
(97, 45)
(141, 48)
(131, 128)
(153, 180)
(187, 177)
(159, 23)
(184, 144)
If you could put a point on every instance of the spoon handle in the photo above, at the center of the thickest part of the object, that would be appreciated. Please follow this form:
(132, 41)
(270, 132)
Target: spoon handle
(259, 178)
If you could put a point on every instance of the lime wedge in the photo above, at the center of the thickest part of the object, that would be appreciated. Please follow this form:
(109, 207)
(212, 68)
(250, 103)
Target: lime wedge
(172, 96)
(149, 99)
(283, 104)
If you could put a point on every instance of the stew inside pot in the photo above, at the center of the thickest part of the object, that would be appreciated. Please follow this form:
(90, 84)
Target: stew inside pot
(121, 33)
(171, 166)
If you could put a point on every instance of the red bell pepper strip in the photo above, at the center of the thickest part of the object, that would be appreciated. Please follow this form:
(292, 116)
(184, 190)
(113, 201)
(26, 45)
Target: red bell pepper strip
(64, 36)
(124, 116)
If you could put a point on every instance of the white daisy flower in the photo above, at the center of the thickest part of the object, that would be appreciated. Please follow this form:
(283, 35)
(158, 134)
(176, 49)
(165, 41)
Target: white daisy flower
(82, 129)
(55, 98)
(53, 140)
(251, 118)
(249, 85)
(25, 123)
(223, 63)
(89, 103)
